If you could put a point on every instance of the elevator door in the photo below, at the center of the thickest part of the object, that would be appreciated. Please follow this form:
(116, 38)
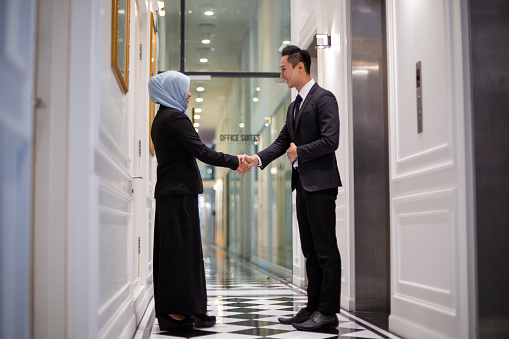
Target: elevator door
(371, 177)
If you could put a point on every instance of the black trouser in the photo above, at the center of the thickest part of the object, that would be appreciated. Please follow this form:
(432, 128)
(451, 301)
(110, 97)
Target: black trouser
(316, 214)
(179, 274)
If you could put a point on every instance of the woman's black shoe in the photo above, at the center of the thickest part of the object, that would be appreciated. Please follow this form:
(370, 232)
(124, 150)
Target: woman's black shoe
(167, 323)
(203, 320)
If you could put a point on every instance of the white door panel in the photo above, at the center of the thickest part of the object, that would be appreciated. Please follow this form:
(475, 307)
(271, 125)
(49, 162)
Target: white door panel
(429, 275)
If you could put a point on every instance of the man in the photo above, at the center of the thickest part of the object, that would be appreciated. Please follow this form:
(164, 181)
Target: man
(310, 138)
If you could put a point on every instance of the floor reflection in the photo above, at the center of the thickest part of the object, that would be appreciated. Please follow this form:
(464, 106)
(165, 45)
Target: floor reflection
(247, 303)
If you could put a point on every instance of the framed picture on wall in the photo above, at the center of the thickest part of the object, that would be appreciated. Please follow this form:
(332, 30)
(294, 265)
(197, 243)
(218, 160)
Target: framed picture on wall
(153, 71)
(120, 43)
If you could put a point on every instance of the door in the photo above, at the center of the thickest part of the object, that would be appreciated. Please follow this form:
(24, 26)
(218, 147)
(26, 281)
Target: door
(17, 20)
(430, 255)
(138, 179)
(370, 146)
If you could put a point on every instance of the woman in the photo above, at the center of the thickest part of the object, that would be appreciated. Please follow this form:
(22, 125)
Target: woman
(179, 276)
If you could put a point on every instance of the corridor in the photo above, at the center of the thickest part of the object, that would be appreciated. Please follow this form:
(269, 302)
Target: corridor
(419, 140)
(247, 303)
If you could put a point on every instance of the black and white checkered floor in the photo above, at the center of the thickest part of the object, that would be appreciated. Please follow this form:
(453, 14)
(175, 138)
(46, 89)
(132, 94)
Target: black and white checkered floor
(247, 304)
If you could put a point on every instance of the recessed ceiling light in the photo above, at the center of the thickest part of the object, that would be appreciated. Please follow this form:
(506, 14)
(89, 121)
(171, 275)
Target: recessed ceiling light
(209, 13)
(197, 110)
(241, 125)
(286, 42)
(205, 41)
(204, 60)
(200, 89)
(197, 117)
(197, 130)
(199, 99)
(196, 124)
(255, 99)
(258, 89)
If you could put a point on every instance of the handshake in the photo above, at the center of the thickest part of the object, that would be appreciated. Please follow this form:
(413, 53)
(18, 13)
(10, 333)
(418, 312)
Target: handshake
(246, 162)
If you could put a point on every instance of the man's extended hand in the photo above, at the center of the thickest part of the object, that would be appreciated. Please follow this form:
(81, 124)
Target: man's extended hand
(252, 160)
(244, 166)
(291, 153)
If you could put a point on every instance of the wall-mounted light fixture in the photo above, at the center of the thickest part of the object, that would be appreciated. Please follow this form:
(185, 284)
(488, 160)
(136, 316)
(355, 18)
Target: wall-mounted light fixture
(323, 41)
(161, 8)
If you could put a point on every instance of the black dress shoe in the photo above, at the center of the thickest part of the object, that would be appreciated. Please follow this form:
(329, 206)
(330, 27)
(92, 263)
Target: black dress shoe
(317, 322)
(167, 323)
(300, 317)
(203, 320)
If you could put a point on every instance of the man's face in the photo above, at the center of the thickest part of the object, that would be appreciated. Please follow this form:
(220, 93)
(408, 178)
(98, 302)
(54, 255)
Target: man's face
(188, 97)
(290, 74)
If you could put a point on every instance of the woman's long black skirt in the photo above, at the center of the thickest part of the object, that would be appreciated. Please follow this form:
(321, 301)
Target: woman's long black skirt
(179, 274)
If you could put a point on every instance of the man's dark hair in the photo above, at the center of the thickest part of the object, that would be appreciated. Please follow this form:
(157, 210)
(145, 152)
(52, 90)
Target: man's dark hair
(296, 55)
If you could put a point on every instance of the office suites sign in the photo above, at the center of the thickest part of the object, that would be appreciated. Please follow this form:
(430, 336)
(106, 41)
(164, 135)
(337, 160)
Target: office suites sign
(239, 138)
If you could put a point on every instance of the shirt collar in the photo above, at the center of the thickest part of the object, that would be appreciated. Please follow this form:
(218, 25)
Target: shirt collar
(305, 90)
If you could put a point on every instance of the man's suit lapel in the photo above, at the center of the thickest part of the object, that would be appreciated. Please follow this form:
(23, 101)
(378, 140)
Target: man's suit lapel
(290, 120)
(304, 104)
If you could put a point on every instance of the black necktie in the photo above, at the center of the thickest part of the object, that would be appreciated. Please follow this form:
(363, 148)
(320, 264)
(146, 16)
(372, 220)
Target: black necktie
(298, 100)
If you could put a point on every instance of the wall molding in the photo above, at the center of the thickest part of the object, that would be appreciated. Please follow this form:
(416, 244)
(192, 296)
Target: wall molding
(409, 329)
(111, 147)
(430, 209)
(433, 157)
(439, 155)
(111, 173)
(123, 320)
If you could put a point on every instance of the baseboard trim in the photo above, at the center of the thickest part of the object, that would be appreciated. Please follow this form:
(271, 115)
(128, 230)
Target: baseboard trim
(347, 303)
(408, 329)
(299, 281)
(147, 322)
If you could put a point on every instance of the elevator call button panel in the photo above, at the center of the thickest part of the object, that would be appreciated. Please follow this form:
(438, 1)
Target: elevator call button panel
(418, 84)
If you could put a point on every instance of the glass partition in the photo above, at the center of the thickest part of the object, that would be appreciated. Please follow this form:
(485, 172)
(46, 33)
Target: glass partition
(235, 35)
(231, 50)
(258, 212)
(168, 27)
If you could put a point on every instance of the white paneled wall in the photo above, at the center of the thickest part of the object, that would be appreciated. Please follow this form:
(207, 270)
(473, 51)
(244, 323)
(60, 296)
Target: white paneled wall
(123, 121)
(331, 17)
(429, 278)
(334, 74)
(90, 281)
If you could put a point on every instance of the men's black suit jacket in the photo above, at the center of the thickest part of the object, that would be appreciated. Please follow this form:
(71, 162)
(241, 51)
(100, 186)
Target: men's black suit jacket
(177, 146)
(316, 134)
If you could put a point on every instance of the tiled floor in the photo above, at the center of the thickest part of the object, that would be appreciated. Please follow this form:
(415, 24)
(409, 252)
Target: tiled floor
(247, 304)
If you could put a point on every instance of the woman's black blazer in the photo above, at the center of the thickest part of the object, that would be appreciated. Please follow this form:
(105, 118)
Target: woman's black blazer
(177, 146)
